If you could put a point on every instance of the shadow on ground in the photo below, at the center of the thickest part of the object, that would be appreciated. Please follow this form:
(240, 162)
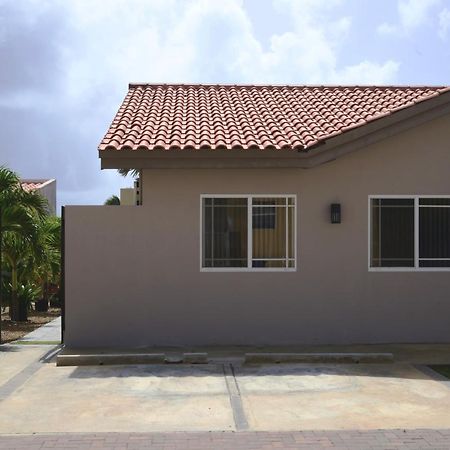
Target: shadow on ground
(281, 371)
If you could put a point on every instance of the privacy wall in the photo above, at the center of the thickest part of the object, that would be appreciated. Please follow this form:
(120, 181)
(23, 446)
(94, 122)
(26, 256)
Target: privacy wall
(133, 273)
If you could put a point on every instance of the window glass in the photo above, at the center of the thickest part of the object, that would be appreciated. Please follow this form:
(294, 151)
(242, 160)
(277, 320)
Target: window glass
(393, 232)
(226, 231)
(276, 201)
(264, 217)
(434, 233)
(269, 240)
(392, 240)
(437, 201)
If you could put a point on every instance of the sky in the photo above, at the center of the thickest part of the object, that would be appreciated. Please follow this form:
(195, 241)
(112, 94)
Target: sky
(65, 65)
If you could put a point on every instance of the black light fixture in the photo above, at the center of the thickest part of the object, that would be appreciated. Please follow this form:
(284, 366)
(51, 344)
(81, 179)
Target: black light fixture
(335, 213)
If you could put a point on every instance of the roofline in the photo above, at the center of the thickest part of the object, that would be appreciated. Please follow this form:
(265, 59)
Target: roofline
(423, 111)
(133, 85)
(352, 140)
(42, 181)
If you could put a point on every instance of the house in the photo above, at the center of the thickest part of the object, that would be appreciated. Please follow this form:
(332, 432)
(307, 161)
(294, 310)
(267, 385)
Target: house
(268, 215)
(130, 196)
(45, 187)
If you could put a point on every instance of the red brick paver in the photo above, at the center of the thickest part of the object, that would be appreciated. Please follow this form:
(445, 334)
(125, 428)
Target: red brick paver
(376, 439)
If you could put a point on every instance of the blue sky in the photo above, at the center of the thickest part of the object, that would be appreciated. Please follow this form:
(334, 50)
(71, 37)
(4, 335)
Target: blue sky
(65, 64)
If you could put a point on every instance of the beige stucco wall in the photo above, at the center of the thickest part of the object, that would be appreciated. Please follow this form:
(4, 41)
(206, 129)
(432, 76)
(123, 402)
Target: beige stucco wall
(49, 192)
(136, 281)
(127, 197)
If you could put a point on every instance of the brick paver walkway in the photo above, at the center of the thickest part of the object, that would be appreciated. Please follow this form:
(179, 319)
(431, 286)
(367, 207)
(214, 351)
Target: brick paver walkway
(377, 439)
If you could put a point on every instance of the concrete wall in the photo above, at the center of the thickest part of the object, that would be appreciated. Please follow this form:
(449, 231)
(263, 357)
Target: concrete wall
(127, 196)
(49, 192)
(136, 281)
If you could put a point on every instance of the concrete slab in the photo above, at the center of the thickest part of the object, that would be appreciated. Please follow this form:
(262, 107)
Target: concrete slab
(318, 358)
(36, 397)
(120, 398)
(14, 359)
(50, 332)
(318, 397)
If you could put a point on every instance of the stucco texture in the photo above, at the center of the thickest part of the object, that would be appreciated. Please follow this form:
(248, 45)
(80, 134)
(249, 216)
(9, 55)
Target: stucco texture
(133, 273)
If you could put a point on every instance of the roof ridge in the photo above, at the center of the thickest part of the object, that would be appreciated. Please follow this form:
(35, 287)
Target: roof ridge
(313, 86)
(35, 180)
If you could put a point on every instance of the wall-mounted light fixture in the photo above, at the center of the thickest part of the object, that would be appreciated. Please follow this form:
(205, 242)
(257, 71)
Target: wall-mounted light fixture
(335, 211)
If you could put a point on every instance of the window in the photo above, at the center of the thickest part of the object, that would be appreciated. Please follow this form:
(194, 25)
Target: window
(248, 232)
(264, 217)
(410, 232)
(434, 232)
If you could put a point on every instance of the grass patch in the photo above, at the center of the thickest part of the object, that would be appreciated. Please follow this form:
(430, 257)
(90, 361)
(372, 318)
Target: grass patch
(37, 342)
(442, 369)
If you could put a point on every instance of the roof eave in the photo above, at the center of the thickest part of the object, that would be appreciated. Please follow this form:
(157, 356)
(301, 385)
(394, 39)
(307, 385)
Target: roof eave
(384, 127)
(317, 154)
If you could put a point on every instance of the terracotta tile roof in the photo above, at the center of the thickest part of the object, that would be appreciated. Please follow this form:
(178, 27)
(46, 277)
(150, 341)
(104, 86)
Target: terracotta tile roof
(32, 185)
(165, 117)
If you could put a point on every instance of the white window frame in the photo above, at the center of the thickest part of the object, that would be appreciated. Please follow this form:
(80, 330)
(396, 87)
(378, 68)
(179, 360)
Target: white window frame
(416, 267)
(250, 198)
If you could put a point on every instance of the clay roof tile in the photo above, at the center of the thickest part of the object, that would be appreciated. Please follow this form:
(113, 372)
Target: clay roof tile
(241, 116)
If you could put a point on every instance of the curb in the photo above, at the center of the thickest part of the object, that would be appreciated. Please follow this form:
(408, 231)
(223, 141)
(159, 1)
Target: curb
(341, 358)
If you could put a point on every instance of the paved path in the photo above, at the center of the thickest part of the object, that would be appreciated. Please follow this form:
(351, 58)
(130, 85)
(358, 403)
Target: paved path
(110, 407)
(41, 398)
(50, 332)
(357, 440)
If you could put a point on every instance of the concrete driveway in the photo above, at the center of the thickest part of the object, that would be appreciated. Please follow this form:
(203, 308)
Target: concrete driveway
(37, 396)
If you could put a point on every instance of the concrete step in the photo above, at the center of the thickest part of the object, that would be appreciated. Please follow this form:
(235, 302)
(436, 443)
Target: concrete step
(202, 358)
(342, 358)
(129, 358)
(112, 359)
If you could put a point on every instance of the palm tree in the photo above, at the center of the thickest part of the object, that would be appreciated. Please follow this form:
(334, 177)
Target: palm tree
(45, 258)
(20, 212)
(113, 200)
(125, 172)
(16, 251)
(19, 208)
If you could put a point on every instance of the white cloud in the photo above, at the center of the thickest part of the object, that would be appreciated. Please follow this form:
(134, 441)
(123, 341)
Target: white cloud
(71, 62)
(412, 15)
(444, 23)
(367, 72)
(386, 28)
(414, 12)
(205, 41)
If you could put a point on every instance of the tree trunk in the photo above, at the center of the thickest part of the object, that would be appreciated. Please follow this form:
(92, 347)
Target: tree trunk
(14, 311)
(19, 311)
(42, 304)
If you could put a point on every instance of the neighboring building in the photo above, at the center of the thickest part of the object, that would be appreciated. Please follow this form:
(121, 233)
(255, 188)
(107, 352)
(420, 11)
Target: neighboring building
(46, 187)
(130, 196)
(268, 215)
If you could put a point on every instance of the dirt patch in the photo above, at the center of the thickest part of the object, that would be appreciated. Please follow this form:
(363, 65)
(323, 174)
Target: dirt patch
(12, 331)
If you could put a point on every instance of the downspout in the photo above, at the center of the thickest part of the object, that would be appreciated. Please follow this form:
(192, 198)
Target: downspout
(62, 282)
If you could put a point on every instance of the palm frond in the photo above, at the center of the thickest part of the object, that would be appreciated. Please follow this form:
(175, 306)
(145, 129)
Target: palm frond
(8, 180)
(34, 201)
(125, 172)
(16, 218)
(113, 200)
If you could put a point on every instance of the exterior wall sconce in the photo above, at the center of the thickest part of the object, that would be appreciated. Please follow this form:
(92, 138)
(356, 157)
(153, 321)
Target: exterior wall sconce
(335, 211)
